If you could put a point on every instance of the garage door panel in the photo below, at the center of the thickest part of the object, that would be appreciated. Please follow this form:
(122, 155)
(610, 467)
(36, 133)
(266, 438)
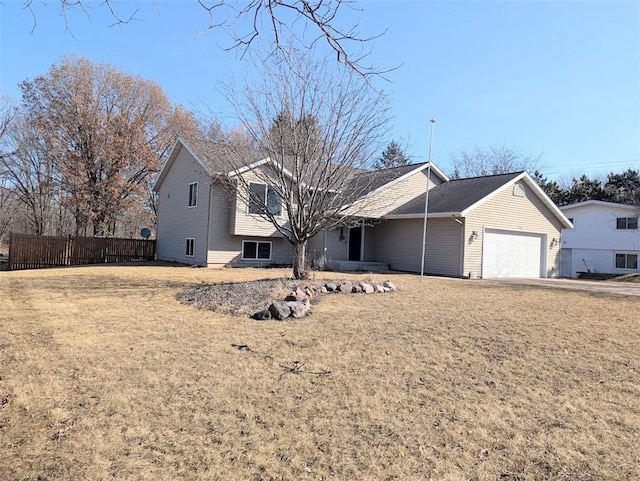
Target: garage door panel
(511, 254)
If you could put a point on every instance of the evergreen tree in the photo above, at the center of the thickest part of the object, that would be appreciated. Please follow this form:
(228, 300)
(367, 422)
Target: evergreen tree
(624, 188)
(392, 156)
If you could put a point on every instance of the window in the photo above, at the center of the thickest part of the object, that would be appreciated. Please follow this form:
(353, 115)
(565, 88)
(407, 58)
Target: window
(627, 223)
(254, 250)
(518, 190)
(626, 261)
(191, 247)
(193, 194)
(261, 194)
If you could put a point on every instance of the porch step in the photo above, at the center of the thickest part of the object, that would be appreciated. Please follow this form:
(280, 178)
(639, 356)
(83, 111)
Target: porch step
(357, 266)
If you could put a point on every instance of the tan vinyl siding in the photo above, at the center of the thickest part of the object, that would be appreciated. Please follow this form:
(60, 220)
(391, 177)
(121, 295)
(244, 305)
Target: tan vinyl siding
(394, 196)
(226, 249)
(176, 220)
(399, 243)
(246, 224)
(508, 212)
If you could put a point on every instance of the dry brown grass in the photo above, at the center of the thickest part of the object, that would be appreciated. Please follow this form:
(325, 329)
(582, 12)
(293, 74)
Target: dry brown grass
(105, 375)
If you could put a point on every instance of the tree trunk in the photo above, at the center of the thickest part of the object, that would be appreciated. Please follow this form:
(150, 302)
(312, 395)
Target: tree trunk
(300, 268)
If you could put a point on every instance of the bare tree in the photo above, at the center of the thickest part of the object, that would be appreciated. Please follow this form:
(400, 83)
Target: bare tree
(29, 173)
(320, 128)
(492, 160)
(305, 21)
(106, 133)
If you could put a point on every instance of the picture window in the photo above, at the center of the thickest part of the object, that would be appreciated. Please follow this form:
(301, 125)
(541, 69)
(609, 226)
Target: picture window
(626, 261)
(255, 250)
(626, 223)
(263, 195)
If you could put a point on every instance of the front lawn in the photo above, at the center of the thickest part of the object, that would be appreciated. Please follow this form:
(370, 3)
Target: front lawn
(104, 375)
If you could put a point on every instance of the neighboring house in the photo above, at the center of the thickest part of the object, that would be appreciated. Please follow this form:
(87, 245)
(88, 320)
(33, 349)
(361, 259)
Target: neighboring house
(605, 238)
(493, 226)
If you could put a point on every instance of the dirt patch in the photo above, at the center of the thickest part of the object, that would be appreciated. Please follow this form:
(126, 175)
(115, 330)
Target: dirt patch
(635, 277)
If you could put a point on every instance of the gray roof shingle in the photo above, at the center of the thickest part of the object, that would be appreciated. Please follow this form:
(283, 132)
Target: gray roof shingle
(219, 158)
(455, 195)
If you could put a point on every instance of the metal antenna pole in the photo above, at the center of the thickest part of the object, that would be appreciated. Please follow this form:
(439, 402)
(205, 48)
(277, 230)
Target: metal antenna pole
(426, 202)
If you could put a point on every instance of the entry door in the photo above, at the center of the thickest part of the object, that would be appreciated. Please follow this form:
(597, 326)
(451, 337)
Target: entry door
(355, 243)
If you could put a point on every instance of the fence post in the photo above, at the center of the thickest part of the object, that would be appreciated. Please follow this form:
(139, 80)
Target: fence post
(11, 251)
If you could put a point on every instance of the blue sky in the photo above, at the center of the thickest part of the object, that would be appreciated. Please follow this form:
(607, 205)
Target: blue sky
(560, 79)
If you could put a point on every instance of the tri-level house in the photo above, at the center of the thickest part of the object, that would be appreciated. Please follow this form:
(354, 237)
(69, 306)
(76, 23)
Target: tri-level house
(491, 226)
(605, 238)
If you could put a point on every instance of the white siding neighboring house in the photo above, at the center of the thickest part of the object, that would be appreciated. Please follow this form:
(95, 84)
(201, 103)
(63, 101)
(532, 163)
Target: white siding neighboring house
(491, 226)
(605, 238)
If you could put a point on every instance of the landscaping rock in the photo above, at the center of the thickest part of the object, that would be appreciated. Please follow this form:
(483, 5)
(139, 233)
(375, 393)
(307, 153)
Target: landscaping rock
(299, 308)
(331, 286)
(356, 289)
(323, 290)
(291, 297)
(264, 315)
(379, 288)
(345, 287)
(279, 310)
(367, 288)
(389, 286)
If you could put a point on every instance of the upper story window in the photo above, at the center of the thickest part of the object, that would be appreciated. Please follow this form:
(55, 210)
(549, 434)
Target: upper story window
(193, 194)
(518, 190)
(627, 223)
(262, 194)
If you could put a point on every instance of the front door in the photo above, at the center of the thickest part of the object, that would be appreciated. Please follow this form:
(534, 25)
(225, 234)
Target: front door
(355, 243)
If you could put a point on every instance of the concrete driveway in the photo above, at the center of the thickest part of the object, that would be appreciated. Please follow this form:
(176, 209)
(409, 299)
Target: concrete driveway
(618, 288)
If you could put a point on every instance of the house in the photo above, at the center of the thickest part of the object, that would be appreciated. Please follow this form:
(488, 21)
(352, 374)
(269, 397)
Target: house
(605, 238)
(492, 226)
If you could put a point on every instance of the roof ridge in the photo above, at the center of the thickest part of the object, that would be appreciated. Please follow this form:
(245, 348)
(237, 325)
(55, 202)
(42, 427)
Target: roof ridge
(514, 173)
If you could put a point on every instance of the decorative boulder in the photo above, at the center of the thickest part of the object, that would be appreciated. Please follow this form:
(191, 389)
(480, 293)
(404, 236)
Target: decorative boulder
(389, 286)
(356, 289)
(367, 288)
(331, 286)
(323, 290)
(379, 288)
(262, 315)
(345, 287)
(298, 308)
(279, 310)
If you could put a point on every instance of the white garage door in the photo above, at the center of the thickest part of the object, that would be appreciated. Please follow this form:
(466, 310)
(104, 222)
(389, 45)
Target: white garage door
(511, 254)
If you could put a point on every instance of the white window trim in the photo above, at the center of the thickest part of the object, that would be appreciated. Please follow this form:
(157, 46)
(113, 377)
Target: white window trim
(266, 196)
(193, 253)
(626, 253)
(196, 196)
(256, 257)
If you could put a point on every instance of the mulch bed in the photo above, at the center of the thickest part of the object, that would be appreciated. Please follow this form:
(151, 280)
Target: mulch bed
(242, 299)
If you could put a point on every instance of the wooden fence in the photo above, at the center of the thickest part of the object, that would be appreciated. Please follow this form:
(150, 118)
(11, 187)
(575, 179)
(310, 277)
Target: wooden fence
(36, 252)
